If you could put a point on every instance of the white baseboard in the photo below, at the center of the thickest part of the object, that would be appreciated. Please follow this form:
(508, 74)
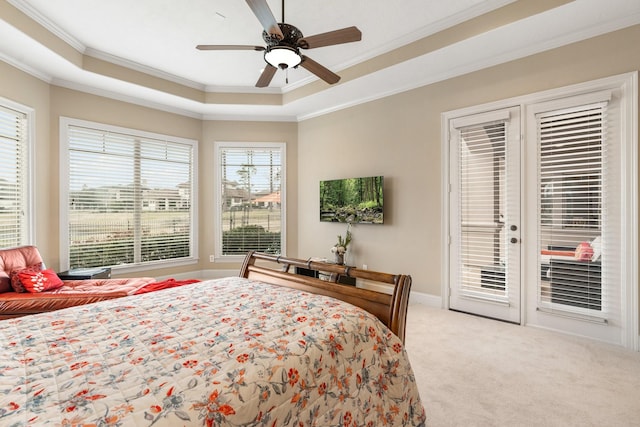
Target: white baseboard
(201, 274)
(219, 274)
(425, 299)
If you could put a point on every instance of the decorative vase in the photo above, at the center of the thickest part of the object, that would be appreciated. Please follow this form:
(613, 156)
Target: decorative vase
(339, 258)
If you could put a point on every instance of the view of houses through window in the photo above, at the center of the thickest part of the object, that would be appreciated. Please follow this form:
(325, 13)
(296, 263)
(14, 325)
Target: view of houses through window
(129, 198)
(250, 198)
(14, 178)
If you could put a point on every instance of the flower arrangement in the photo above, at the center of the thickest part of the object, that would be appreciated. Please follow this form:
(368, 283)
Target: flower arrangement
(343, 243)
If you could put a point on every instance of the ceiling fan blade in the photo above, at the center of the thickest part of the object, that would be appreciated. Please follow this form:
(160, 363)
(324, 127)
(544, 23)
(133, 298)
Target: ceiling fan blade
(261, 9)
(266, 76)
(344, 35)
(228, 47)
(319, 70)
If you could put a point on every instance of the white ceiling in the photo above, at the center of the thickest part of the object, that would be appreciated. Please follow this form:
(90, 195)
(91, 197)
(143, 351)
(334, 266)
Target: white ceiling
(159, 37)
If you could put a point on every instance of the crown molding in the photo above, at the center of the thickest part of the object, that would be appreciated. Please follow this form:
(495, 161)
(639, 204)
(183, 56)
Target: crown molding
(32, 13)
(130, 99)
(27, 69)
(135, 66)
(484, 50)
(470, 13)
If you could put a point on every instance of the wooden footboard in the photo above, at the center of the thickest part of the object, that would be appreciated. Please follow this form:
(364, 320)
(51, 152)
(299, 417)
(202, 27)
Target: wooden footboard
(390, 308)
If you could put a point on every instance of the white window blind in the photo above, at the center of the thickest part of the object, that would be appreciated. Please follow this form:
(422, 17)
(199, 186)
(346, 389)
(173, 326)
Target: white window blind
(13, 178)
(250, 198)
(481, 209)
(572, 157)
(130, 198)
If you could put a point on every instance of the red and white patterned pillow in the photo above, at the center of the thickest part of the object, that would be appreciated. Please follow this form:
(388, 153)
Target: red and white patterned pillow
(44, 280)
(16, 284)
(34, 279)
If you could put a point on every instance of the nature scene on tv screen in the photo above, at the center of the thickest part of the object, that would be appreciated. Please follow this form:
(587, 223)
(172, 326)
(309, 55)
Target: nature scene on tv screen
(352, 200)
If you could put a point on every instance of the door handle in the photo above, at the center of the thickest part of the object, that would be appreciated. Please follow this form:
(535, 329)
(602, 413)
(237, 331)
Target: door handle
(514, 240)
(514, 227)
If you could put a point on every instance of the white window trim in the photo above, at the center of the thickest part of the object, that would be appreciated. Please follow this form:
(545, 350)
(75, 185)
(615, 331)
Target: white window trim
(65, 123)
(217, 196)
(30, 208)
(627, 82)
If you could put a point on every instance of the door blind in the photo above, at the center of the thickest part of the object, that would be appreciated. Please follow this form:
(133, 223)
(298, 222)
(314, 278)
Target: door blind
(482, 199)
(571, 151)
(13, 178)
(129, 198)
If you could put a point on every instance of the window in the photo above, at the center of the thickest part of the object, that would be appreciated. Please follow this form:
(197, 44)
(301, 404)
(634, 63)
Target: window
(585, 244)
(482, 165)
(128, 197)
(571, 144)
(15, 182)
(250, 195)
(572, 154)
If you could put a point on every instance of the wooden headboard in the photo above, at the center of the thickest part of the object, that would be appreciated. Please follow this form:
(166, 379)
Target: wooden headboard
(390, 308)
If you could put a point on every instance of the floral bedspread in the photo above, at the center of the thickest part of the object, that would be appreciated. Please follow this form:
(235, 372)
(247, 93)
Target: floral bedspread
(226, 352)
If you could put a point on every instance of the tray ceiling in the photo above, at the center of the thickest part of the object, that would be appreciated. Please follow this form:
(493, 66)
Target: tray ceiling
(144, 51)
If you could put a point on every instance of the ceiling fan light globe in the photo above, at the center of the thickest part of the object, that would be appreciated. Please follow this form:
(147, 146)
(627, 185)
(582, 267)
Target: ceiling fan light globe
(282, 57)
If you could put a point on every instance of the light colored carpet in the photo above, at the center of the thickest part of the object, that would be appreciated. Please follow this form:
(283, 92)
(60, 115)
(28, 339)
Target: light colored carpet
(473, 371)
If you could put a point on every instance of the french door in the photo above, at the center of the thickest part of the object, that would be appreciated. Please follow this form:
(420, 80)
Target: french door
(574, 181)
(541, 226)
(485, 208)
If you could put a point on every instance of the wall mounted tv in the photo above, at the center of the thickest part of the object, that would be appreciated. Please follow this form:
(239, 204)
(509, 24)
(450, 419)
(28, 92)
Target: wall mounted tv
(352, 200)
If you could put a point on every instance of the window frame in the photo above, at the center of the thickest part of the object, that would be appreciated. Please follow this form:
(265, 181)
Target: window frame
(217, 194)
(28, 234)
(65, 124)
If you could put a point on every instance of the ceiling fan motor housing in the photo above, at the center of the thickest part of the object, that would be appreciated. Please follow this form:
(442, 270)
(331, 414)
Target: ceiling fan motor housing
(291, 36)
(283, 52)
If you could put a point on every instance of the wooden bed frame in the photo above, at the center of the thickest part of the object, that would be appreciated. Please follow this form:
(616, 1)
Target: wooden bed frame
(390, 308)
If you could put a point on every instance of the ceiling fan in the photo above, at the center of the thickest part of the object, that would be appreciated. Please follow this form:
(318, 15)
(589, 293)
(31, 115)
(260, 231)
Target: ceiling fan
(284, 42)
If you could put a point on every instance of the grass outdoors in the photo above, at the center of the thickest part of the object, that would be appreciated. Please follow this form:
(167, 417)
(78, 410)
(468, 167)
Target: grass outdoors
(90, 231)
(98, 226)
(269, 219)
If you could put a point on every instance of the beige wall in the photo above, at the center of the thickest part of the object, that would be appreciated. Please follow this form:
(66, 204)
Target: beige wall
(52, 102)
(400, 137)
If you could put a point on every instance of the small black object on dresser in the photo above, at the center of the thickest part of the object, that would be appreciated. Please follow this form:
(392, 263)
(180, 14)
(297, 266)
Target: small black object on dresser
(343, 280)
(86, 273)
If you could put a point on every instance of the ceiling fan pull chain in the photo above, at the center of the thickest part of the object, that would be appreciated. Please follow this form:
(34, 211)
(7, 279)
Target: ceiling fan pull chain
(286, 76)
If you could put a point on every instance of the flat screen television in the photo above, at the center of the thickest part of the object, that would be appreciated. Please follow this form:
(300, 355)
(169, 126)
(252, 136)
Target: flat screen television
(352, 200)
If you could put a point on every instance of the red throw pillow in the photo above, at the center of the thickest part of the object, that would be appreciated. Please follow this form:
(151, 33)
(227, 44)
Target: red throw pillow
(16, 283)
(39, 281)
